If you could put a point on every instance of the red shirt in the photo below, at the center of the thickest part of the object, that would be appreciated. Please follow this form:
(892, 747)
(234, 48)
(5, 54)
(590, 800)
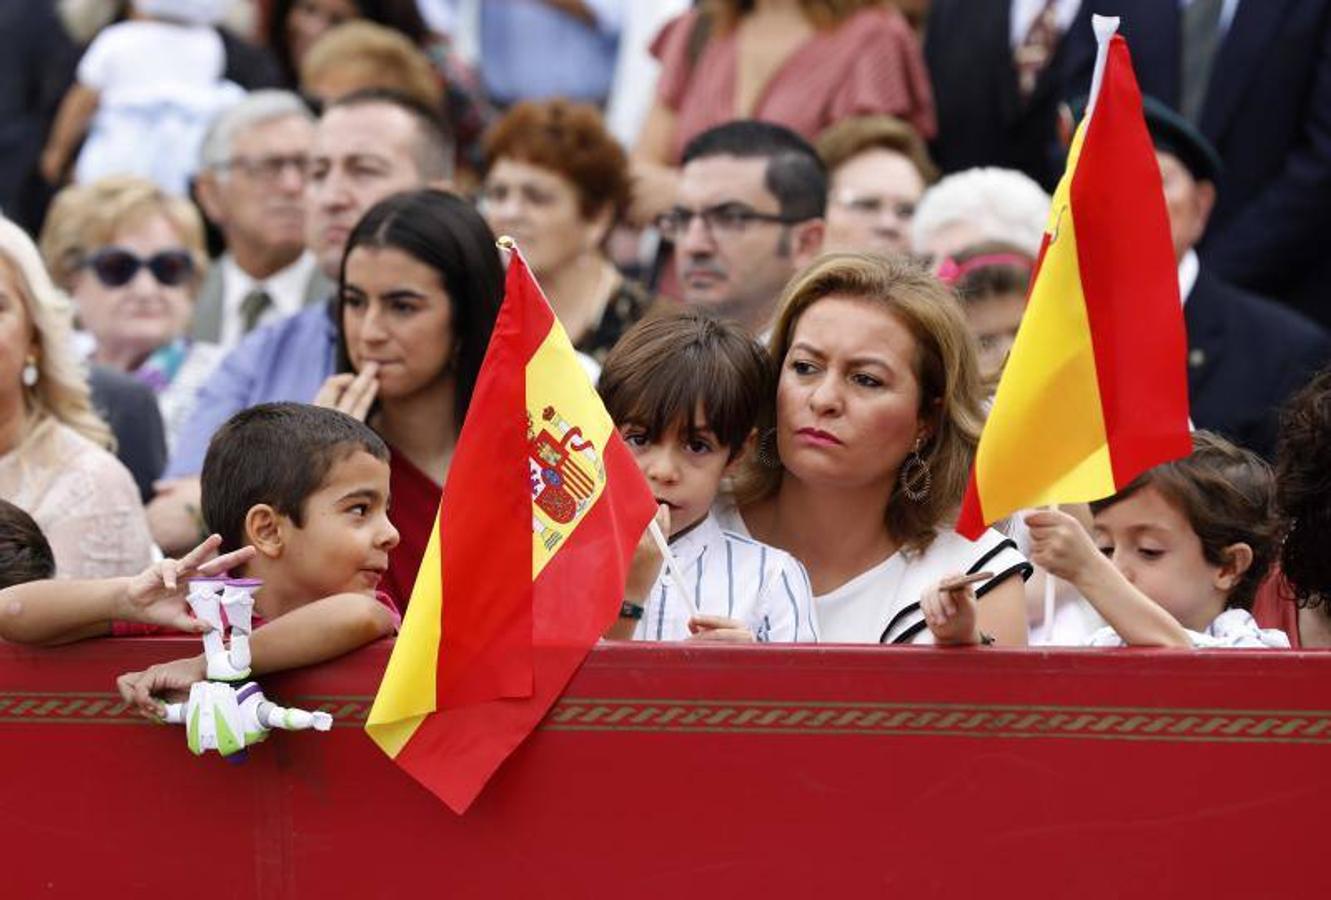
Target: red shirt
(415, 504)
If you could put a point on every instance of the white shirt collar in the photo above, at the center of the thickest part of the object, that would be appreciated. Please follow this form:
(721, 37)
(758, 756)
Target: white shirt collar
(286, 286)
(687, 547)
(1188, 268)
(1024, 13)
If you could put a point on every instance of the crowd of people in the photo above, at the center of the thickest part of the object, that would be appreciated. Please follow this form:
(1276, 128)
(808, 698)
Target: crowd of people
(249, 272)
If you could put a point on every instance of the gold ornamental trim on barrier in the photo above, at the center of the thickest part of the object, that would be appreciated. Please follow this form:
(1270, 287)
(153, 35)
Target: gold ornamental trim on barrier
(580, 714)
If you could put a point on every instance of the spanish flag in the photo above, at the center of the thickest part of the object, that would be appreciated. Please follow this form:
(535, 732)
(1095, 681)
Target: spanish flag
(526, 565)
(1095, 389)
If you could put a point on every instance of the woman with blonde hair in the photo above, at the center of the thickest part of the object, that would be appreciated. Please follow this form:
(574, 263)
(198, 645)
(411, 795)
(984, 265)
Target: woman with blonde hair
(865, 452)
(54, 461)
(132, 257)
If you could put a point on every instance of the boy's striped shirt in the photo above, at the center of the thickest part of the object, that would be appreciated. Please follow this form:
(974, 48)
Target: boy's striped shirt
(733, 576)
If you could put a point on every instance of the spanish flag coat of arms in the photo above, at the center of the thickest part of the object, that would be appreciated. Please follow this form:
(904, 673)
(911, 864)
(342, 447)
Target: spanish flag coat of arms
(526, 565)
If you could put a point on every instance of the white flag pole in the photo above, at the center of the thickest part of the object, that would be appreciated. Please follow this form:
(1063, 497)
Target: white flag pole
(1050, 586)
(672, 568)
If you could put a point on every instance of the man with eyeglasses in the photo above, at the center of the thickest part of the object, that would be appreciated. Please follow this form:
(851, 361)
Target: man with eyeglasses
(749, 215)
(367, 146)
(251, 185)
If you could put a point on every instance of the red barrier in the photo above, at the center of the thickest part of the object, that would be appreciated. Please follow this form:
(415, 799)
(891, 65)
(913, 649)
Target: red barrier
(729, 772)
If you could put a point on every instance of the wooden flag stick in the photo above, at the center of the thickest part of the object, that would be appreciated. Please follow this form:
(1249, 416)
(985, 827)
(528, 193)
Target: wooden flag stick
(672, 567)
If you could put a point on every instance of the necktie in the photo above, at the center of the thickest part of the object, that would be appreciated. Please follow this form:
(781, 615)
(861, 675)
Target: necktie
(254, 304)
(1037, 48)
(1201, 39)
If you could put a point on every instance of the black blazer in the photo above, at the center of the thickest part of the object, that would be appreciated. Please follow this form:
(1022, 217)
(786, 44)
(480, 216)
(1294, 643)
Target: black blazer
(1268, 112)
(1246, 355)
(981, 120)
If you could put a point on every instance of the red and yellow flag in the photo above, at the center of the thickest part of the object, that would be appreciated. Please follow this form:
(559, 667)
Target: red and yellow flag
(526, 565)
(1095, 390)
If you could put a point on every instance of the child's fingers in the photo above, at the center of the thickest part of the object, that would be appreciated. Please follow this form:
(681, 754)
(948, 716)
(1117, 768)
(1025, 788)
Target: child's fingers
(724, 636)
(711, 623)
(125, 685)
(167, 569)
(228, 561)
(206, 548)
(961, 581)
(144, 701)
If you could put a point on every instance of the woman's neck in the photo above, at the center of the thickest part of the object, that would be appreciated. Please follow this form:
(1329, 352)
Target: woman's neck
(836, 534)
(579, 291)
(422, 426)
(777, 6)
(14, 422)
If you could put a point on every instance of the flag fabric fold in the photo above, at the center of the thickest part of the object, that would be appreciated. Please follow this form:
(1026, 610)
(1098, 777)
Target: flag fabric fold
(526, 564)
(1095, 389)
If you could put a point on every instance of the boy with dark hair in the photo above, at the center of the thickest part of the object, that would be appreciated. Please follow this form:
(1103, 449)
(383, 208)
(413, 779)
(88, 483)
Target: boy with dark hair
(299, 498)
(684, 391)
(307, 488)
(24, 553)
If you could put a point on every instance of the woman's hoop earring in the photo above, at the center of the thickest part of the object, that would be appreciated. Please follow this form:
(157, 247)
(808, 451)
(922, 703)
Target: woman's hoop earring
(30, 373)
(768, 456)
(915, 476)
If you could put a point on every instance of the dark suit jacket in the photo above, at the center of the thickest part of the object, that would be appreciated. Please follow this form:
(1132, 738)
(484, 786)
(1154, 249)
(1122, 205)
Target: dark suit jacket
(1268, 112)
(1246, 355)
(36, 67)
(981, 119)
(130, 407)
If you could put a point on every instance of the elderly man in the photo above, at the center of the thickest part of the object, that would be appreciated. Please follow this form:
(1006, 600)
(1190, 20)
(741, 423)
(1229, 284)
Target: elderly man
(367, 146)
(251, 185)
(1246, 354)
(749, 215)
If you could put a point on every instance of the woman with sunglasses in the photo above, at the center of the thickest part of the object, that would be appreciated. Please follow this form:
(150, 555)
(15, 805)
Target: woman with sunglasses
(420, 288)
(54, 462)
(133, 258)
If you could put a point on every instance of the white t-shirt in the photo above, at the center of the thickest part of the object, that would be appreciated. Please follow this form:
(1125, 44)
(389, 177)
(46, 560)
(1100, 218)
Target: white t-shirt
(143, 55)
(882, 604)
(1233, 628)
(734, 576)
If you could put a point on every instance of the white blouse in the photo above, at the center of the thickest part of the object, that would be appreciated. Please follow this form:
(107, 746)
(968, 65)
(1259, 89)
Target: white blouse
(882, 605)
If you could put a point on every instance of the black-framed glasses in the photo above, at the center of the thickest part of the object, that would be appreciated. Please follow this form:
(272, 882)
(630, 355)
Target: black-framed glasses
(725, 219)
(269, 168)
(116, 267)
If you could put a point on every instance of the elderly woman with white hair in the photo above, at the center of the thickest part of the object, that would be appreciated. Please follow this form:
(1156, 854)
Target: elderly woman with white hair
(54, 461)
(979, 205)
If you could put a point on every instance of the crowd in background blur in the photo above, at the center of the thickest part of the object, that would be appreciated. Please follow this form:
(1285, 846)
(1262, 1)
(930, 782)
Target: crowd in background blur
(184, 182)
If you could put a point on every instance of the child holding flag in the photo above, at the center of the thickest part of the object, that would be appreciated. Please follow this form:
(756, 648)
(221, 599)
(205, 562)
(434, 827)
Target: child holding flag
(684, 392)
(1175, 562)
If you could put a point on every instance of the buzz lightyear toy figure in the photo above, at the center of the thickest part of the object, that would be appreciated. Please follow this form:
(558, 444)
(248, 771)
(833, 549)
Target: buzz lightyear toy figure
(227, 719)
(219, 714)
